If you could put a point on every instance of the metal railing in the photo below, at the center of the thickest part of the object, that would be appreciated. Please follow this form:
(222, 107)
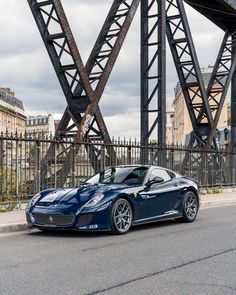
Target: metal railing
(21, 159)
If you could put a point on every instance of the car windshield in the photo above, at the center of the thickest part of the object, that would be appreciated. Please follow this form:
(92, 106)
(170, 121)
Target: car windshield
(127, 175)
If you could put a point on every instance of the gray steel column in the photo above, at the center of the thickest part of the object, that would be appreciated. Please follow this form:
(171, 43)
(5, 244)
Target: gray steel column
(153, 73)
(162, 72)
(144, 66)
(162, 82)
(144, 124)
(233, 98)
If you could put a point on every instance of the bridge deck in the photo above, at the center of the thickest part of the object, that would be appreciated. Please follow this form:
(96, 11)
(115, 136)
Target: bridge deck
(220, 12)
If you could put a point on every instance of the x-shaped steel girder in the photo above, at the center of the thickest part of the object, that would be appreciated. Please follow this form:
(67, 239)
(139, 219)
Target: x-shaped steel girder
(204, 105)
(82, 85)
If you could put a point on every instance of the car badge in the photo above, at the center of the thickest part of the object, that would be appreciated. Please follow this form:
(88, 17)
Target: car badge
(51, 219)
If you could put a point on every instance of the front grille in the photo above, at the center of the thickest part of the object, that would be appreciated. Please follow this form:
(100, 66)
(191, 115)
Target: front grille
(50, 219)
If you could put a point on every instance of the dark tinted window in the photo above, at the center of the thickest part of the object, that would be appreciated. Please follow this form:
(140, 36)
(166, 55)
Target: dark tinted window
(128, 175)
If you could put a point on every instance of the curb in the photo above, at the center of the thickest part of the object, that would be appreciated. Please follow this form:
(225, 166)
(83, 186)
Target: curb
(209, 204)
(15, 227)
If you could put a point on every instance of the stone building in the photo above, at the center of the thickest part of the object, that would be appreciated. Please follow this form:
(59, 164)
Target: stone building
(40, 125)
(182, 122)
(12, 121)
(170, 126)
(12, 114)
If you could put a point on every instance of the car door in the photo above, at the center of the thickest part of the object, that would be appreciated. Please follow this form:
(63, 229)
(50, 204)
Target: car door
(161, 197)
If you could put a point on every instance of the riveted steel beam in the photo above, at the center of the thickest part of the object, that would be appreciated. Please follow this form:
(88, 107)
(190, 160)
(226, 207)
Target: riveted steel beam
(188, 69)
(153, 73)
(82, 85)
(233, 98)
(220, 81)
(153, 70)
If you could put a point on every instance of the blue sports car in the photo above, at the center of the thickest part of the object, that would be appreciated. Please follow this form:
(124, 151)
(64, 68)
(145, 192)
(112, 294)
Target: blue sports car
(116, 199)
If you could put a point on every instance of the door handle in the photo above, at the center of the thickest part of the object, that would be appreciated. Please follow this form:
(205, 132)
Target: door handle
(175, 184)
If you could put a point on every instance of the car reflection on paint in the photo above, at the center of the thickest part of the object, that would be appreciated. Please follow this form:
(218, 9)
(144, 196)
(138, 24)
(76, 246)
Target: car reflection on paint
(115, 200)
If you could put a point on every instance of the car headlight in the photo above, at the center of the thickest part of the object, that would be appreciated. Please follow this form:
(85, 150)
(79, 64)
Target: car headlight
(94, 200)
(34, 200)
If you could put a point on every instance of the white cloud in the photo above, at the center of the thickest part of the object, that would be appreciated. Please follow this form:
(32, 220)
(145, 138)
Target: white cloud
(126, 125)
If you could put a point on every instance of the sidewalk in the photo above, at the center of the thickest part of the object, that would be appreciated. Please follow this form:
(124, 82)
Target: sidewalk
(15, 220)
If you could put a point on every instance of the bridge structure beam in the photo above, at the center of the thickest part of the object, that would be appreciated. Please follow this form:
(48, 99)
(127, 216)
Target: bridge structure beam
(153, 72)
(83, 85)
(204, 102)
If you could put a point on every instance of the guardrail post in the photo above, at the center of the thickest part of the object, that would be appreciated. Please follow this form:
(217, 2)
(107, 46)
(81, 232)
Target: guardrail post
(73, 165)
(17, 168)
(38, 170)
(129, 155)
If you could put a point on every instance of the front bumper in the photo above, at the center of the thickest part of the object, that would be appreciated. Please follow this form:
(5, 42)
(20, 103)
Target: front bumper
(84, 220)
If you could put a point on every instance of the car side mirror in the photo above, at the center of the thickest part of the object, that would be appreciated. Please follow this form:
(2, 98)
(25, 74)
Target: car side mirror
(156, 179)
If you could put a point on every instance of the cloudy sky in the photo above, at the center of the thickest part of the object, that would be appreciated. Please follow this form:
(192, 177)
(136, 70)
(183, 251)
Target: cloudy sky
(25, 66)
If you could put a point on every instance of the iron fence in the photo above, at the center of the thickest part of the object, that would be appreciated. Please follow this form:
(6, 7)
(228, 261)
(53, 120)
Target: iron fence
(31, 163)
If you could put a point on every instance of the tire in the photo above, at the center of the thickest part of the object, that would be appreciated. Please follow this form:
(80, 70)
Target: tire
(190, 207)
(121, 217)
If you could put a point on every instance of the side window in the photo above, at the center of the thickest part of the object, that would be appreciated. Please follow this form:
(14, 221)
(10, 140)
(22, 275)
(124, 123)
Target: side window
(161, 173)
(136, 176)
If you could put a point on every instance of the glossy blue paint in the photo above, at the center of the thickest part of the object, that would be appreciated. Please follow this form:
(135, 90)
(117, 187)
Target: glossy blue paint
(148, 202)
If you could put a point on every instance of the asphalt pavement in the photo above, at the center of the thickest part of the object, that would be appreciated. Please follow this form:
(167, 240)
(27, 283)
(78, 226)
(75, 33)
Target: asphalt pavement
(166, 258)
(15, 220)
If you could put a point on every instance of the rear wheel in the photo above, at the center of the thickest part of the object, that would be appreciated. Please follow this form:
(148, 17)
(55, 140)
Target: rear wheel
(190, 207)
(121, 217)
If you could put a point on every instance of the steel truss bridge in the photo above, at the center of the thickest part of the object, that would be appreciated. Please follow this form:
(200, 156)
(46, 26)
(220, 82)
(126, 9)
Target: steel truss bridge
(83, 84)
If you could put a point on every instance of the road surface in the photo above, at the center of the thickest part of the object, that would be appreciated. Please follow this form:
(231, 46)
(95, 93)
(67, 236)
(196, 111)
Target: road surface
(162, 258)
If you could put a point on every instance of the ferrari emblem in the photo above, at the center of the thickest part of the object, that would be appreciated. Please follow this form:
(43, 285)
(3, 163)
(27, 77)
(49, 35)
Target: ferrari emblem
(51, 219)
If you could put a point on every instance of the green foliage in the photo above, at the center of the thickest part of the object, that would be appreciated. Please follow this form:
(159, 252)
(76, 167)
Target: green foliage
(7, 181)
(3, 209)
(214, 190)
(153, 142)
(7, 189)
(7, 203)
(217, 190)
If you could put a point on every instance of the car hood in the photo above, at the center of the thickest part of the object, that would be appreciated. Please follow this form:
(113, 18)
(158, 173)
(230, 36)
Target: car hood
(79, 195)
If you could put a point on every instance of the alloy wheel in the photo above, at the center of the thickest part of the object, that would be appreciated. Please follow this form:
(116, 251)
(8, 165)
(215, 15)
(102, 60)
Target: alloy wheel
(122, 216)
(191, 206)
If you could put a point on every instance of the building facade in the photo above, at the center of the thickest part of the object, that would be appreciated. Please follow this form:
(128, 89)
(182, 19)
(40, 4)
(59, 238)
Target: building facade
(12, 121)
(40, 125)
(182, 122)
(170, 126)
(12, 114)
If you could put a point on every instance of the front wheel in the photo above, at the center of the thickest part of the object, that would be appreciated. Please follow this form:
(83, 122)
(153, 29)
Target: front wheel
(190, 207)
(121, 217)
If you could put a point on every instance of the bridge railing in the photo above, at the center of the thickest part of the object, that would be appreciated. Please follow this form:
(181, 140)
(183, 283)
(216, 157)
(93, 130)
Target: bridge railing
(21, 158)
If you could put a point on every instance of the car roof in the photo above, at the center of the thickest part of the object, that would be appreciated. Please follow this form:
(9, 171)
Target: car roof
(140, 165)
(149, 166)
